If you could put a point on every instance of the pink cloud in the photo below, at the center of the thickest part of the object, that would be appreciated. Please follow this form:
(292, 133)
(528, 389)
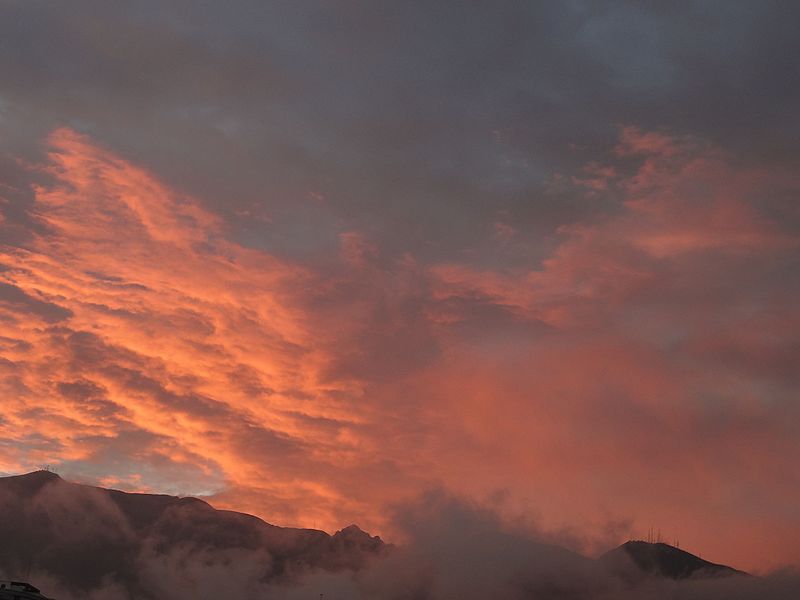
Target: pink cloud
(642, 372)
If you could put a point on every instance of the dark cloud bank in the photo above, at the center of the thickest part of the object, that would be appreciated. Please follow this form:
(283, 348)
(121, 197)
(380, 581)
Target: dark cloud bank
(78, 541)
(416, 122)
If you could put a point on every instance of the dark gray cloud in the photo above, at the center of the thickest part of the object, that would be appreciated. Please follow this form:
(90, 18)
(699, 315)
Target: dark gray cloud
(417, 124)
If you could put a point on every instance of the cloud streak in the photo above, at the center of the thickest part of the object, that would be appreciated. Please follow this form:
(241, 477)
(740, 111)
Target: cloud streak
(641, 372)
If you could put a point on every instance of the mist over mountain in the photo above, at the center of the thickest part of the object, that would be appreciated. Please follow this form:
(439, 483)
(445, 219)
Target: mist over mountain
(77, 541)
(86, 538)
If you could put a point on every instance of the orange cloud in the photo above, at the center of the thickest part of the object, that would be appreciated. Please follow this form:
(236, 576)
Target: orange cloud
(133, 312)
(641, 375)
(652, 371)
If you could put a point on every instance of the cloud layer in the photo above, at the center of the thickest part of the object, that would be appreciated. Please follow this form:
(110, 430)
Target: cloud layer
(311, 259)
(641, 374)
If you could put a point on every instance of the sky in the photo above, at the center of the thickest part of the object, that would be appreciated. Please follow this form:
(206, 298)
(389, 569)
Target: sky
(313, 260)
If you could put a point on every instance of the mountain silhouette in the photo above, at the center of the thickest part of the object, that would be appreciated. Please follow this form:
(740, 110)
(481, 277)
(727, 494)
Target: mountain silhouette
(146, 546)
(635, 558)
(83, 535)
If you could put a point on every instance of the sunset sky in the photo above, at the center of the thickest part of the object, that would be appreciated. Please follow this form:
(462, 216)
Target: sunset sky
(312, 260)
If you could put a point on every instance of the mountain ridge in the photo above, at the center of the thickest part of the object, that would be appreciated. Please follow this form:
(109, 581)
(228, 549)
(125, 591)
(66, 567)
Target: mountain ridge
(660, 559)
(84, 535)
(33, 481)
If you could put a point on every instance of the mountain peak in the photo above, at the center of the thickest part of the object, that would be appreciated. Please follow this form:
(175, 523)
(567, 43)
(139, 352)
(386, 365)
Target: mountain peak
(636, 557)
(354, 537)
(41, 474)
(353, 528)
(30, 483)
